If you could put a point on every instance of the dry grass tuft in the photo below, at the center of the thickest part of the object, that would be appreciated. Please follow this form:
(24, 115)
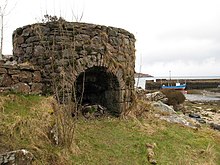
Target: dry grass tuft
(3, 99)
(31, 130)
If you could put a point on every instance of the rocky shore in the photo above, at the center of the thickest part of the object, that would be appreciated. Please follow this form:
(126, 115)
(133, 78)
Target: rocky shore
(195, 112)
(204, 103)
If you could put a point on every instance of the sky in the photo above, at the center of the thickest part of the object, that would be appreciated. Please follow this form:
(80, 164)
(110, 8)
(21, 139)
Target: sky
(177, 36)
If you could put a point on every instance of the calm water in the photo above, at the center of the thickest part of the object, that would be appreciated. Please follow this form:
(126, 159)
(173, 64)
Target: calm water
(141, 81)
(196, 97)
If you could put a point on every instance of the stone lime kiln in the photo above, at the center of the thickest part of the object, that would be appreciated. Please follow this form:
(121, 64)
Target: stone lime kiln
(96, 61)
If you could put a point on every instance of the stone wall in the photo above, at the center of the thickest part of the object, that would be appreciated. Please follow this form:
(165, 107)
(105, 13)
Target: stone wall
(75, 55)
(20, 78)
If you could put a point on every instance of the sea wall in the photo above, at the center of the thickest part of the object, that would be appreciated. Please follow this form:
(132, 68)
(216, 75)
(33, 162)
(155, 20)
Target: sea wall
(190, 84)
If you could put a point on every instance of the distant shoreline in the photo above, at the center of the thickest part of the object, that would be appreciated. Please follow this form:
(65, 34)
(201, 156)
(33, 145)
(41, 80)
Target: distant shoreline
(142, 75)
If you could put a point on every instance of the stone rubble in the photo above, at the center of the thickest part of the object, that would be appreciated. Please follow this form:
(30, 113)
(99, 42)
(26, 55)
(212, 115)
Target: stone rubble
(151, 154)
(93, 111)
(18, 157)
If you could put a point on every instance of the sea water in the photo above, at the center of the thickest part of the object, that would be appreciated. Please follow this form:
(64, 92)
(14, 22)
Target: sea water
(197, 97)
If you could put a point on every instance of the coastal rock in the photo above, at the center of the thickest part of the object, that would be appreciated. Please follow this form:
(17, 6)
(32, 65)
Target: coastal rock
(215, 126)
(197, 117)
(156, 96)
(204, 112)
(193, 115)
(181, 119)
(162, 108)
(165, 112)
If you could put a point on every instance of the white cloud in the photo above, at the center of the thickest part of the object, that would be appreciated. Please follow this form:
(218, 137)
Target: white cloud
(171, 34)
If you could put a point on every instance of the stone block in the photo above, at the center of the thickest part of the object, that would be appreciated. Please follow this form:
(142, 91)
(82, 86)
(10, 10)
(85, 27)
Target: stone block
(32, 39)
(21, 88)
(20, 40)
(39, 50)
(18, 51)
(13, 71)
(36, 88)
(15, 78)
(26, 66)
(25, 76)
(27, 32)
(7, 66)
(6, 81)
(29, 50)
(3, 70)
(37, 76)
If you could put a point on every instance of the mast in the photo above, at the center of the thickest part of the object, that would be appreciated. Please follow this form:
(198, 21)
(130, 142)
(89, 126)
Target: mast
(169, 80)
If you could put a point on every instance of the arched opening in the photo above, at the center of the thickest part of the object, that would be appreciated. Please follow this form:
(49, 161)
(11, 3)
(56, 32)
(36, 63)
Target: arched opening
(97, 86)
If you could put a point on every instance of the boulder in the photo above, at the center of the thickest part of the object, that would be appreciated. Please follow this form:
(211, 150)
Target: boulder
(163, 108)
(181, 119)
(197, 117)
(156, 96)
(215, 126)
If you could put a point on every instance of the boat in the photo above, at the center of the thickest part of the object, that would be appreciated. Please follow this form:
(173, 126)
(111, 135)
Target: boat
(178, 86)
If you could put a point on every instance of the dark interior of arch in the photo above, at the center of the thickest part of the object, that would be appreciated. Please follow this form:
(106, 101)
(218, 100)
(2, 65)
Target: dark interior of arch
(97, 86)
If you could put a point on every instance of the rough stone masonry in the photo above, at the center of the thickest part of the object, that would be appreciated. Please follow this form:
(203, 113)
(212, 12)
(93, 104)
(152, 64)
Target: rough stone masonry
(88, 63)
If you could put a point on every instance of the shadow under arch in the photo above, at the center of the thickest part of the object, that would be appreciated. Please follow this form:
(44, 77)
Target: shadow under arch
(98, 86)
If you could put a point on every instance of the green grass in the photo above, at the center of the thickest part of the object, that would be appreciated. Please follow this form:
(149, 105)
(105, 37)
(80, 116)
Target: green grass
(122, 142)
(25, 119)
(110, 141)
(20, 104)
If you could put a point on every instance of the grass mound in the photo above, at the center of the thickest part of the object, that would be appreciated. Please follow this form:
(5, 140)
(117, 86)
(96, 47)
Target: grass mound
(175, 97)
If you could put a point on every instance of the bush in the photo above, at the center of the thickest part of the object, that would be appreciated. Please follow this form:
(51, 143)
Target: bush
(175, 97)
